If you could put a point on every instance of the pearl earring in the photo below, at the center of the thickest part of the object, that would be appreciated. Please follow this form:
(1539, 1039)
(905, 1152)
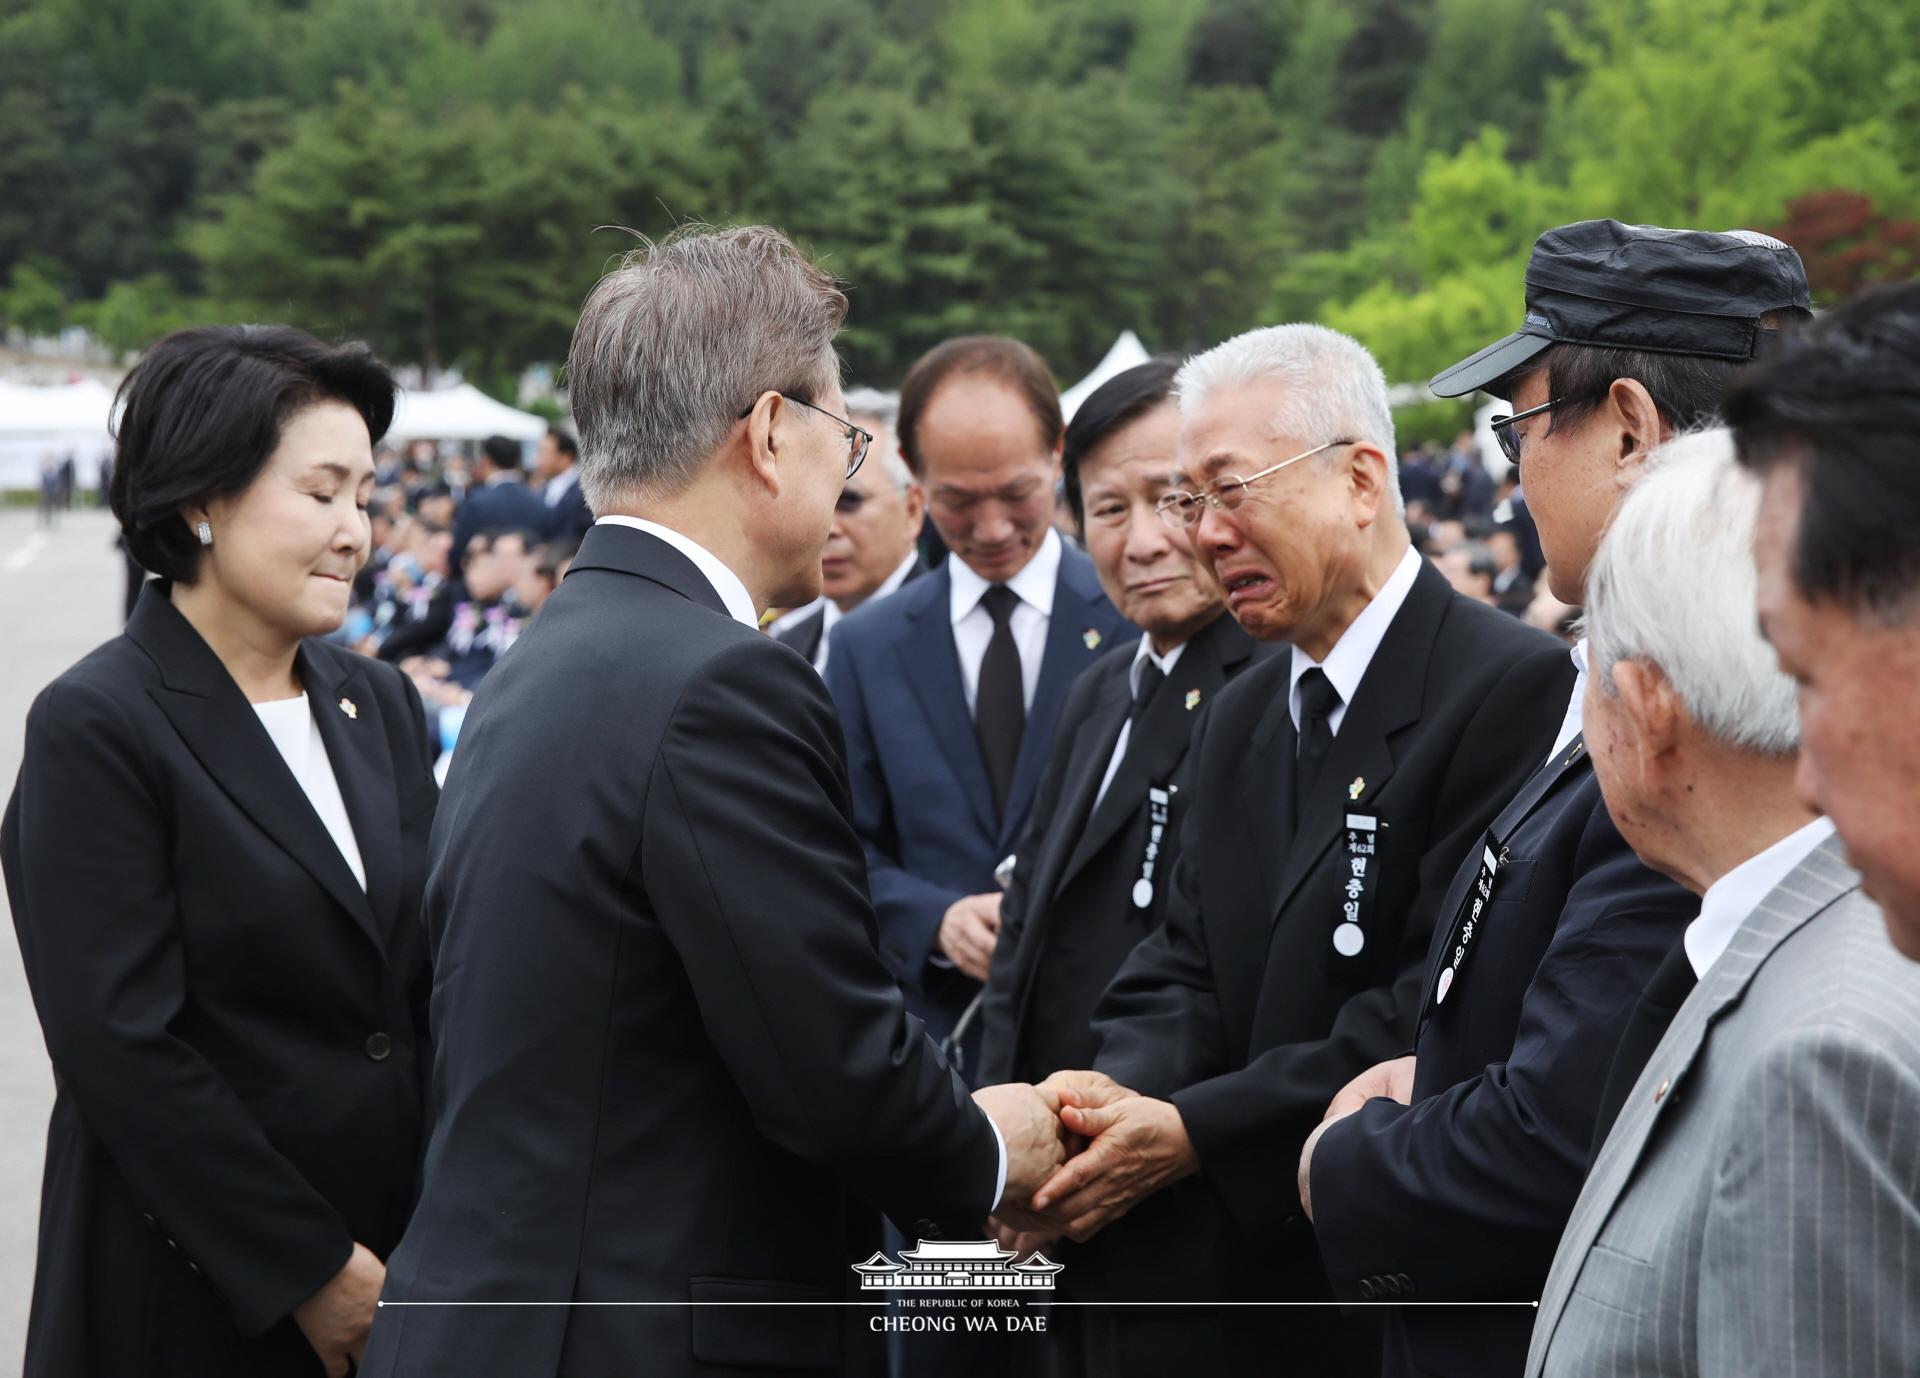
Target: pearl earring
(205, 533)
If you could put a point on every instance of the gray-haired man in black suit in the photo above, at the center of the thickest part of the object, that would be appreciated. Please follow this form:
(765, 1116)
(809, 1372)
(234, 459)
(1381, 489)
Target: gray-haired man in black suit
(665, 1047)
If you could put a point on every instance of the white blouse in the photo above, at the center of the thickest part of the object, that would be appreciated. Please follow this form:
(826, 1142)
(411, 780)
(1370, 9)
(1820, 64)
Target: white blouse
(290, 723)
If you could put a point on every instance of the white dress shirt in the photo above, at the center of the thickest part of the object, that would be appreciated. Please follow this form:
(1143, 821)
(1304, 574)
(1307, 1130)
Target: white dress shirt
(973, 625)
(1346, 664)
(1134, 671)
(297, 736)
(733, 593)
(557, 485)
(1730, 899)
(1573, 724)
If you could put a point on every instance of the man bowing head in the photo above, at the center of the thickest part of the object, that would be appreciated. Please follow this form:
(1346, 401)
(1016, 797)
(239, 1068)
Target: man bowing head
(663, 1040)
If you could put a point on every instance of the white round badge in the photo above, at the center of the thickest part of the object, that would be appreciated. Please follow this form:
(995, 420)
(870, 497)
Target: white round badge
(1348, 939)
(1142, 893)
(1446, 984)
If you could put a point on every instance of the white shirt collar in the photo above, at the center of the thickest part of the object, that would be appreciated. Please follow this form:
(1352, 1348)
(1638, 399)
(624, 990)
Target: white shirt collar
(560, 482)
(1730, 899)
(1147, 653)
(1573, 723)
(733, 593)
(1034, 583)
(1346, 664)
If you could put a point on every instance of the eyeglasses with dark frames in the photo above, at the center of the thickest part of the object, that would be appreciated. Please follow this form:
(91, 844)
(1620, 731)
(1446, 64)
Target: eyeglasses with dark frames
(1225, 493)
(1503, 431)
(858, 437)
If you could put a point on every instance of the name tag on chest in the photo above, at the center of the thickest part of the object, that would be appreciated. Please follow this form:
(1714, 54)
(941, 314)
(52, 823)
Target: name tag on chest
(1466, 925)
(1360, 868)
(1159, 819)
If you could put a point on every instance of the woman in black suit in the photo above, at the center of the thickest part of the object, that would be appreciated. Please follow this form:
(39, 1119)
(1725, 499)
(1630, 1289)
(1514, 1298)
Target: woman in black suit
(215, 853)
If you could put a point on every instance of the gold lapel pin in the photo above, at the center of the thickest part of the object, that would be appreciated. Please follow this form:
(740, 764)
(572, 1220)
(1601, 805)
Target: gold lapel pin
(347, 707)
(1091, 636)
(1193, 699)
(1358, 787)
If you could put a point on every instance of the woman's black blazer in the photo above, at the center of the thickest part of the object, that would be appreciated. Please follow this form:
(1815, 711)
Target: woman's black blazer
(237, 1030)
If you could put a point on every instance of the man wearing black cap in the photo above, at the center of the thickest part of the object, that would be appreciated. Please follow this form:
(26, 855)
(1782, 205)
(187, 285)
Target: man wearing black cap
(1448, 1175)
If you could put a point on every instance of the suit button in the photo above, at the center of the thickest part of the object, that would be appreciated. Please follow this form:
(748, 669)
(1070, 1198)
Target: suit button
(1660, 1091)
(1366, 1289)
(147, 1219)
(379, 1047)
(1406, 1283)
(1393, 1286)
(193, 1267)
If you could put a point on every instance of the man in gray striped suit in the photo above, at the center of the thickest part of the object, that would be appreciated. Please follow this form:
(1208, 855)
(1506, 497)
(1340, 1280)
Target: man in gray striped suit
(1756, 1207)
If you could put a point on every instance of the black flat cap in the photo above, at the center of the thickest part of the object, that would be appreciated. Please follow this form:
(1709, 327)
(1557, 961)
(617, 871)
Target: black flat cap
(1599, 282)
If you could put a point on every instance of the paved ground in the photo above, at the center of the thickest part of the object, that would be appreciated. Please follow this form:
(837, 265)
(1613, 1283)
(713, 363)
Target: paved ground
(60, 595)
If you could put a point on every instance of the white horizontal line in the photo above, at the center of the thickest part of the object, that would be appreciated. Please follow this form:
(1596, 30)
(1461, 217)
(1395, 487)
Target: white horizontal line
(1002, 1296)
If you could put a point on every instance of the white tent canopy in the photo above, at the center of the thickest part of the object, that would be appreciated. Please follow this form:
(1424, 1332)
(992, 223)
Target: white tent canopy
(1127, 352)
(39, 425)
(460, 413)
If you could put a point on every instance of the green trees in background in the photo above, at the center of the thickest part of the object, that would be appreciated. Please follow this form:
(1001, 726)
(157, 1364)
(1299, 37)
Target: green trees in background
(447, 177)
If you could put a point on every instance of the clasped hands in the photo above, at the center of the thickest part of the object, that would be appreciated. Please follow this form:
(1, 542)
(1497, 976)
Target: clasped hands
(1082, 1151)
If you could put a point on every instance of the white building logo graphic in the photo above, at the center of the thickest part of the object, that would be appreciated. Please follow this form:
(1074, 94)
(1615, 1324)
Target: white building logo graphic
(972, 1263)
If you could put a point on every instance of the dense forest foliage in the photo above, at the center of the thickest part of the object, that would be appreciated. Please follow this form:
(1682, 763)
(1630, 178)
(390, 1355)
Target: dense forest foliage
(447, 177)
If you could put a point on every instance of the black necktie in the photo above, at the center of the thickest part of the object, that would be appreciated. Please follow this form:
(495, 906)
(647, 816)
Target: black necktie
(1673, 981)
(1151, 678)
(999, 701)
(1318, 699)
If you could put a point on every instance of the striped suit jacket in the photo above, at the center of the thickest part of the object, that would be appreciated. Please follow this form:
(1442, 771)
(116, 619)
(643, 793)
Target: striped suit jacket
(1756, 1208)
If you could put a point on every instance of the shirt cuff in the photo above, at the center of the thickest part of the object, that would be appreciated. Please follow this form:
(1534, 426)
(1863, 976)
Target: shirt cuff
(1000, 1173)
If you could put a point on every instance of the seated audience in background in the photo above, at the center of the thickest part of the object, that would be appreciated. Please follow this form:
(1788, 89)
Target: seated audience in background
(1549, 614)
(1443, 535)
(540, 574)
(872, 549)
(1753, 1209)
(1090, 879)
(1833, 423)
(215, 855)
(1470, 569)
(1512, 585)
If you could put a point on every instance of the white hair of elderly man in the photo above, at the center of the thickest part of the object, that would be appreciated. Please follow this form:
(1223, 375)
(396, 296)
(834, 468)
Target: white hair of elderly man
(1673, 585)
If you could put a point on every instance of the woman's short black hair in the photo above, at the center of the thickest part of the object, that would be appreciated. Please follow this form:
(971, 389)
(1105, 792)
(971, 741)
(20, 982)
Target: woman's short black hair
(1122, 399)
(1841, 402)
(204, 409)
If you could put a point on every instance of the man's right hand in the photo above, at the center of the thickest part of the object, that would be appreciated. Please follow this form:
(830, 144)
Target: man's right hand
(968, 932)
(336, 1319)
(1035, 1147)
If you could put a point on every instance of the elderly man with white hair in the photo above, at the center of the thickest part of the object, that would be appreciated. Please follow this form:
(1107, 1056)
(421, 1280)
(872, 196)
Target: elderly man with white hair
(1333, 789)
(1753, 1206)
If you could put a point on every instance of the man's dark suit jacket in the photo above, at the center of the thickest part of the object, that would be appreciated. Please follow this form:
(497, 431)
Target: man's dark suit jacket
(1240, 1009)
(569, 517)
(237, 1029)
(921, 798)
(668, 1047)
(1463, 1195)
(804, 635)
(1070, 918)
(505, 505)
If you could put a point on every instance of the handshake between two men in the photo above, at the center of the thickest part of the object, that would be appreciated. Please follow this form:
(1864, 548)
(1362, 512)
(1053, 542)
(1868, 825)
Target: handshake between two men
(1082, 1151)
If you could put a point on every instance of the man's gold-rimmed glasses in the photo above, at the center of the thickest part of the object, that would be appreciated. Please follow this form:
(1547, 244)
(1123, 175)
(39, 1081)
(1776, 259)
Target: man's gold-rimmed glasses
(1225, 493)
